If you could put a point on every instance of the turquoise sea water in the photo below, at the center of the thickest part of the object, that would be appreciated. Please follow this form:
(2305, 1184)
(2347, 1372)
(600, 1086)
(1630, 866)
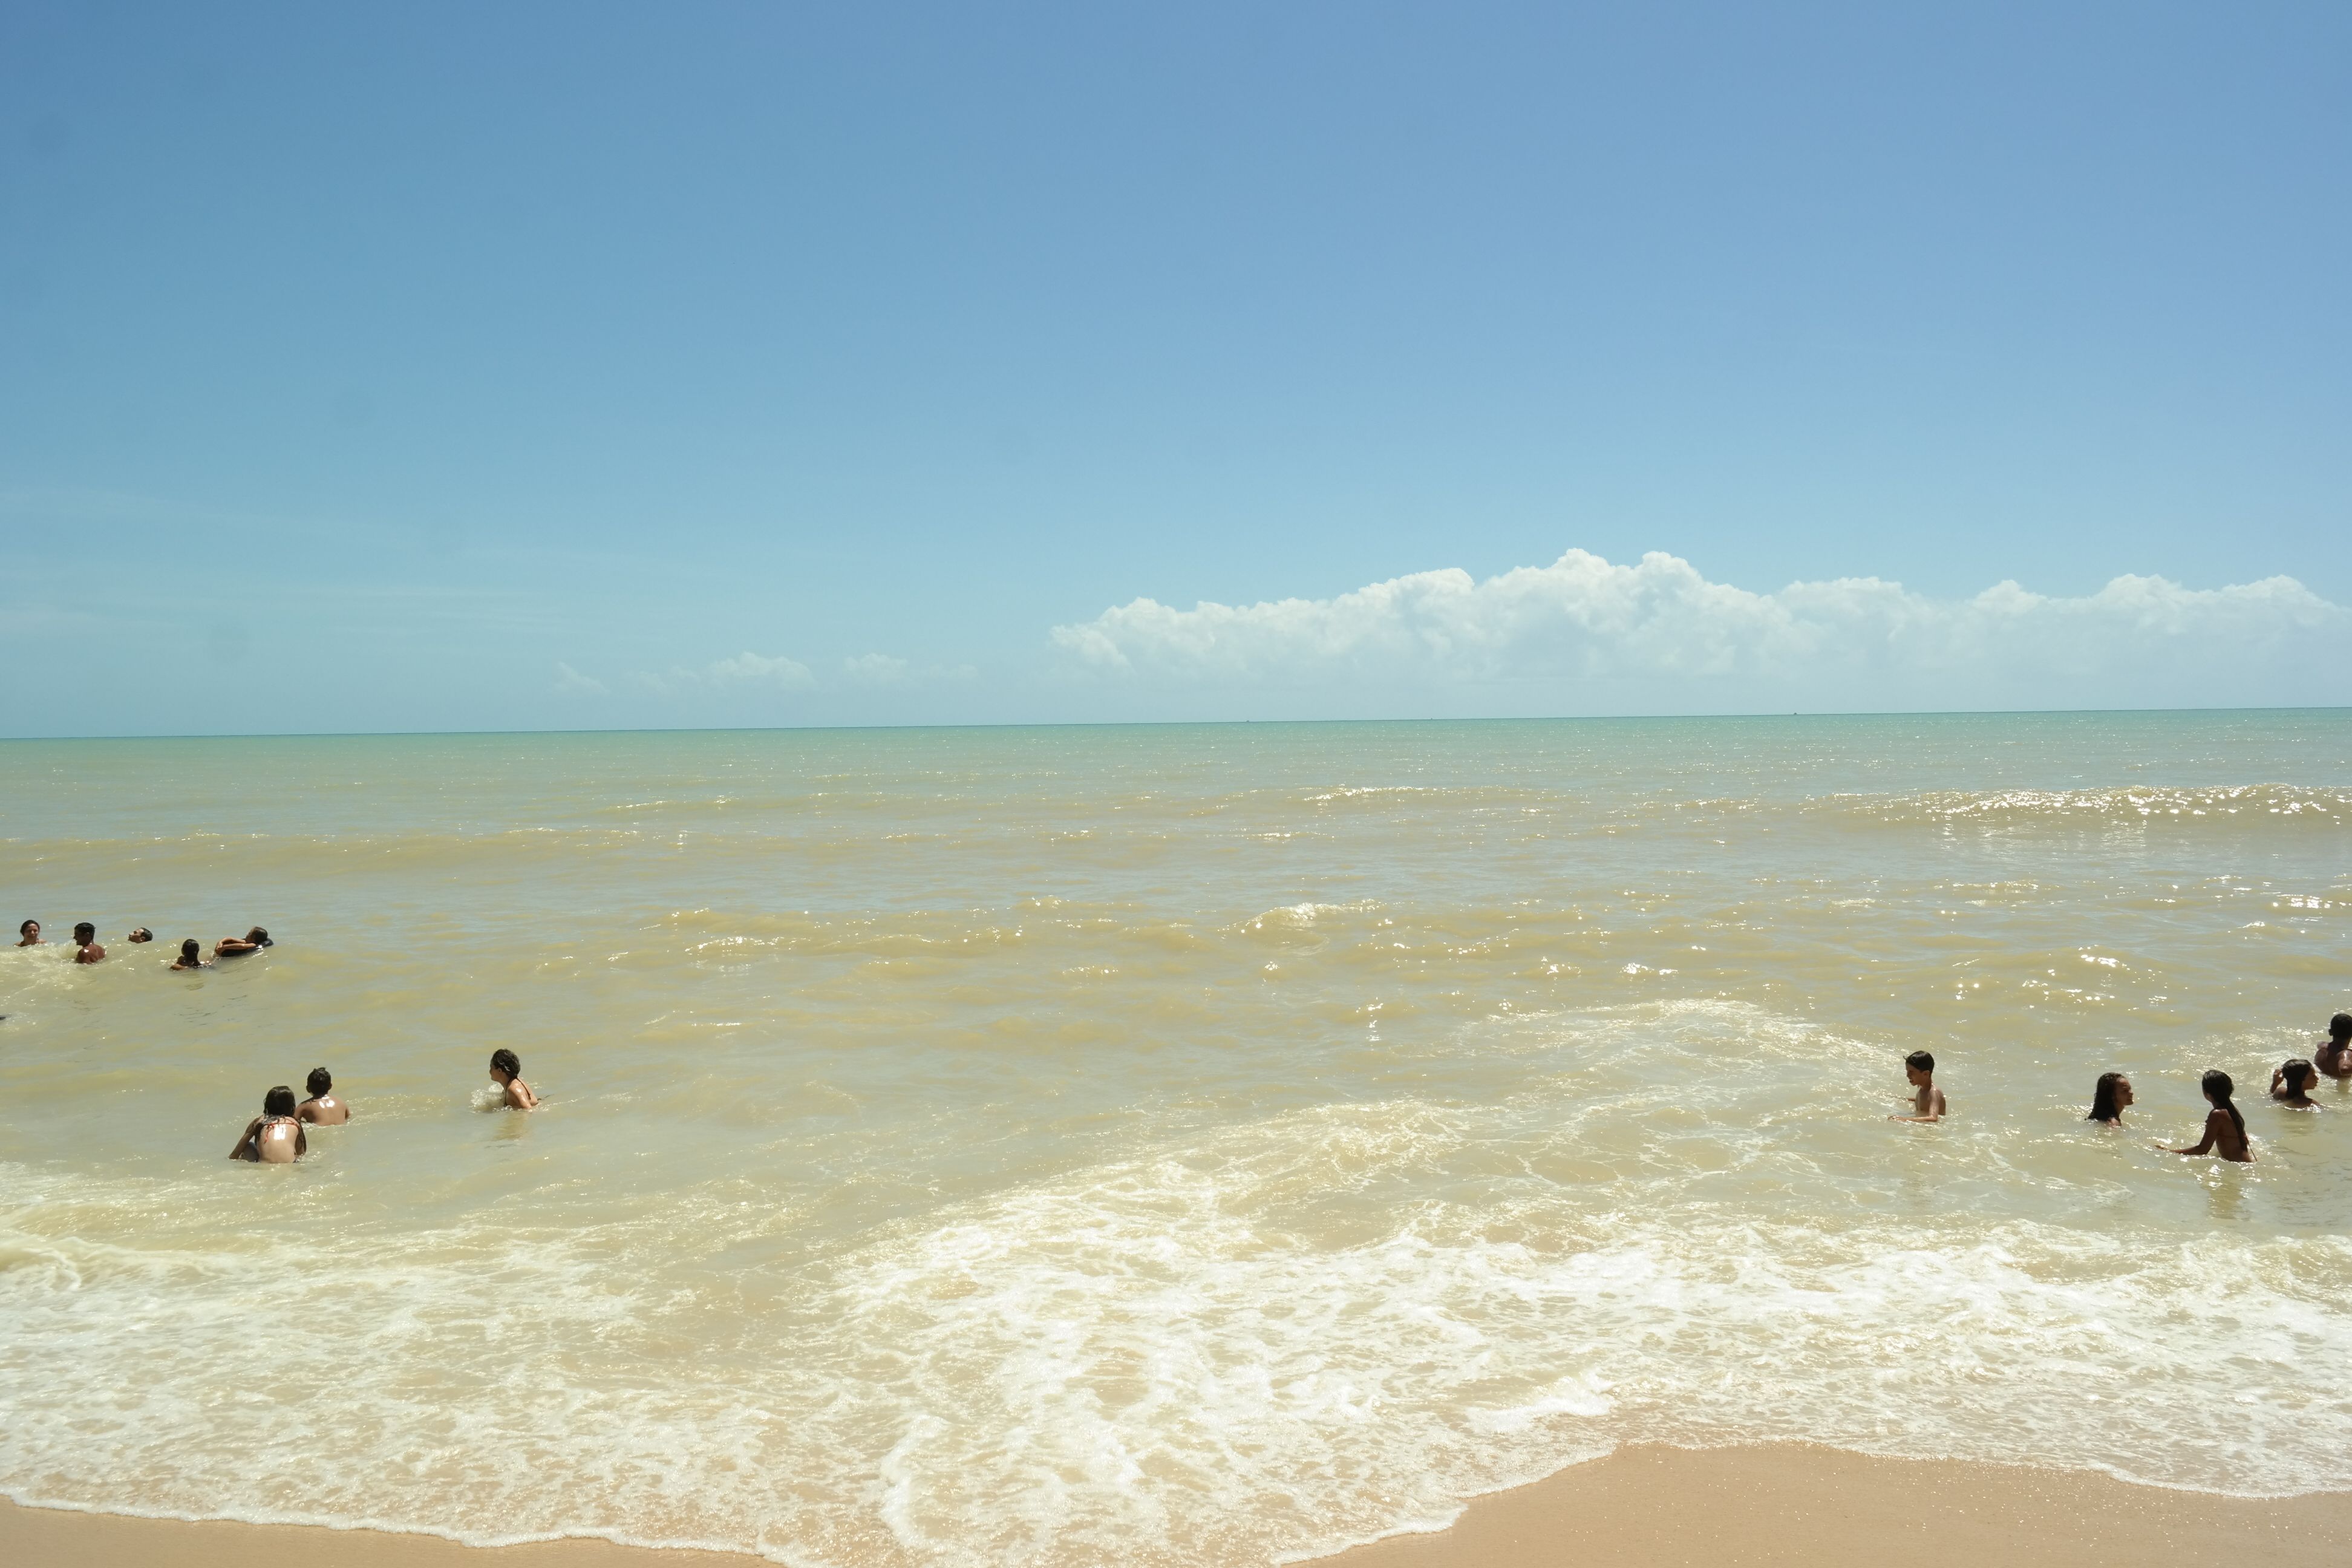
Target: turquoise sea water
(1179, 1144)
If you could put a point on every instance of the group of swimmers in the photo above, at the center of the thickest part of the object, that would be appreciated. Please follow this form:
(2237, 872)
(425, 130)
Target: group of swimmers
(276, 1136)
(86, 949)
(2225, 1128)
(280, 1135)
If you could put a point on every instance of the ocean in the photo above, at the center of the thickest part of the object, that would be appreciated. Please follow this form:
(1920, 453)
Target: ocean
(1173, 1144)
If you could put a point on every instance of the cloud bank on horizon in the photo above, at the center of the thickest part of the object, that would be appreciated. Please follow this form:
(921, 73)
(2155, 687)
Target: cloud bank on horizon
(1586, 634)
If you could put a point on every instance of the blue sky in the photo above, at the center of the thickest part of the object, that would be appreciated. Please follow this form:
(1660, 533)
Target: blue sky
(567, 365)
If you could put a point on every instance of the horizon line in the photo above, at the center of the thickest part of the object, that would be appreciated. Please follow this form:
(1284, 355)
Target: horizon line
(1186, 723)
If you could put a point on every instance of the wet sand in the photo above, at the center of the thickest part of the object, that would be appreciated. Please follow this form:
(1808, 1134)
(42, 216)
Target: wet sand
(1647, 1507)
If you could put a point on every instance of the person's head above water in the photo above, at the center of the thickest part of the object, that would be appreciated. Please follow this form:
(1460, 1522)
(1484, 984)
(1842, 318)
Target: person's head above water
(1921, 1061)
(140, 934)
(2218, 1088)
(84, 931)
(321, 1081)
(29, 928)
(2340, 1027)
(278, 1102)
(505, 1065)
(259, 937)
(191, 951)
(2298, 1075)
(2108, 1099)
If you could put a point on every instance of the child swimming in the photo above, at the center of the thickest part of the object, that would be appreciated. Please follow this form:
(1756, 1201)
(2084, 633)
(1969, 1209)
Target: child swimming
(2291, 1085)
(505, 1071)
(274, 1137)
(1927, 1101)
(2225, 1130)
(2109, 1098)
(323, 1109)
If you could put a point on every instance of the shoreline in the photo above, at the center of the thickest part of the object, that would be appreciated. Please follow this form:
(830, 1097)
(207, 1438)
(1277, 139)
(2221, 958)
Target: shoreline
(1643, 1506)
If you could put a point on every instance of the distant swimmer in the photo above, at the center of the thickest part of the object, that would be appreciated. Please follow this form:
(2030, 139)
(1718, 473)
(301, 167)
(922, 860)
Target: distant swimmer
(2291, 1085)
(85, 948)
(2334, 1057)
(192, 956)
(2109, 1099)
(505, 1071)
(1927, 1101)
(29, 934)
(275, 1137)
(253, 941)
(138, 934)
(323, 1109)
(2225, 1130)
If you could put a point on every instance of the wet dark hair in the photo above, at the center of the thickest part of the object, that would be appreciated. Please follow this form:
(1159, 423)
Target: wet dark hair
(85, 931)
(140, 934)
(2340, 1027)
(23, 926)
(278, 1102)
(2218, 1088)
(2103, 1098)
(506, 1061)
(2299, 1074)
(191, 951)
(259, 937)
(1920, 1060)
(320, 1080)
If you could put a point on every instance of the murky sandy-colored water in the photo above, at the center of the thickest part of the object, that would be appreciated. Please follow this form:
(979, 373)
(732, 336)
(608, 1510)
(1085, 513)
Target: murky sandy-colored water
(1169, 1145)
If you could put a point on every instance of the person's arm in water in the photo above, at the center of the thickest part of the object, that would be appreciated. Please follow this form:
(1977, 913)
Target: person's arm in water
(2214, 1120)
(245, 1149)
(301, 1141)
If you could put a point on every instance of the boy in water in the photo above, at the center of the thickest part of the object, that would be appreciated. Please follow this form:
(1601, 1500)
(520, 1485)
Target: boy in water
(138, 934)
(85, 948)
(1926, 1100)
(323, 1109)
(505, 1071)
(253, 941)
(2333, 1056)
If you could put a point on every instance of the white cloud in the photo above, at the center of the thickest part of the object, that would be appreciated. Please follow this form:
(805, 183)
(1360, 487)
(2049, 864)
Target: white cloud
(875, 669)
(572, 683)
(752, 670)
(1661, 628)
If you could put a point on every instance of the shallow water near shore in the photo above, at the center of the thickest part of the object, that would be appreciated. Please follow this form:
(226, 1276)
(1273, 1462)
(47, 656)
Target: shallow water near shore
(1173, 1144)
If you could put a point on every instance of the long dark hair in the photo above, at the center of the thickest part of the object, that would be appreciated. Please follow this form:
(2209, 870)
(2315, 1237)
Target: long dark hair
(190, 952)
(2299, 1074)
(278, 1102)
(506, 1061)
(2218, 1088)
(2103, 1098)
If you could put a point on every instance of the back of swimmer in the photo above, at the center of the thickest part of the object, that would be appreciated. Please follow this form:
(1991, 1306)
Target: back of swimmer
(275, 1137)
(323, 1109)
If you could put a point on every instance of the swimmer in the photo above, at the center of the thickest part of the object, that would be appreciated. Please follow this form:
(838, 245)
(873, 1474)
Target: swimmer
(253, 941)
(2109, 1099)
(85, 948)
(1927, 1103)
(323, 1109)
(2334, 1057)
(29, 934)
(505, 1071)
(2291, 1085)
(138, 934)
(274, 1137)
(192, 956)
(2225, 1130)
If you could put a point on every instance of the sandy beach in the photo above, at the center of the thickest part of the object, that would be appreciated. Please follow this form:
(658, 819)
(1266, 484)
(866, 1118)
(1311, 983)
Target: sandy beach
(1644, 1507)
